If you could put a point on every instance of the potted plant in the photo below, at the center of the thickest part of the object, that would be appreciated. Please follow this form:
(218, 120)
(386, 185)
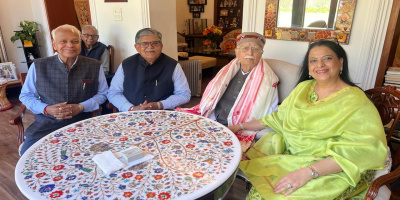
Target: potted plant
(29, 28)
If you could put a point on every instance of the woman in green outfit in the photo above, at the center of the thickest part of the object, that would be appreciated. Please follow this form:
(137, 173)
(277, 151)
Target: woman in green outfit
(328, 137)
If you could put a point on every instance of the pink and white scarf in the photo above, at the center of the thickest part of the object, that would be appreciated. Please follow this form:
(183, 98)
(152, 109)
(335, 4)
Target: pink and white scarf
(253, 102)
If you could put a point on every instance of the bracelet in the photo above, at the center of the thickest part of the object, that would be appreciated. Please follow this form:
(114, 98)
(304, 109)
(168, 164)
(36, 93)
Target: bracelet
(44, 111)
(81, 107)
(241, 126)
(159, 105)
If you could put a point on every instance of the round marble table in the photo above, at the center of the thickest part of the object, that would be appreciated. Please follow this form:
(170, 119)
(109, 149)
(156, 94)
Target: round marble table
(193, 156)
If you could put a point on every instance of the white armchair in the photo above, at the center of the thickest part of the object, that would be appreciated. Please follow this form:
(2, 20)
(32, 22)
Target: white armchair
(288, 76)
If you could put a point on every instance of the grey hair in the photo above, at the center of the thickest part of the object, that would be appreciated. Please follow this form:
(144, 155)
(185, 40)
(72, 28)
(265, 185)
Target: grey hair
(146, 32)
(92, 27)
(68, 27)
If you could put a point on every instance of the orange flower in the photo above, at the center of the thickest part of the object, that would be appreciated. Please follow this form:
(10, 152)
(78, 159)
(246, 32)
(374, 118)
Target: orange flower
(128, 194)
(138, 177)
(212, 33)
(198, 174)
(150, 195)
(157, 177)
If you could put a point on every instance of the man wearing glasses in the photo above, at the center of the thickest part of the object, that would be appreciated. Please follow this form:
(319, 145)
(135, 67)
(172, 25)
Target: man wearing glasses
(148, 80)
(93, 49)
(244, 89)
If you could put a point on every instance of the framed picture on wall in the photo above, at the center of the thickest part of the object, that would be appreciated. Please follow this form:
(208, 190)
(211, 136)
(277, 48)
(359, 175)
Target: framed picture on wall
(223, 13)
(3, 54)
(7, 71)
(196, 14)
(197, 26)
(196, 8)
(197, 2)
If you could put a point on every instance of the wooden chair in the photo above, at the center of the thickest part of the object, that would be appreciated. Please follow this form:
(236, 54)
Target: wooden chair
(386, 99)
(110, 49)
(17, 119)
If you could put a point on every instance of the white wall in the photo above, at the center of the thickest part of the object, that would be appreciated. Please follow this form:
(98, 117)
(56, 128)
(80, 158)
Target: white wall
(120, 34)
(369, 28)
(362, 40)
(165, 25)
(11, 13)
(183, 14)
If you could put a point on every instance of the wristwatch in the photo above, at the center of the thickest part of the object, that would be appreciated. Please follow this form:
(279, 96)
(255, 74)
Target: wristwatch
(314, 173)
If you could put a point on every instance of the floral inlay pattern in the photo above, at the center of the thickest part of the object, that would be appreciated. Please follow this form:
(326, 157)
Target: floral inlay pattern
(191, 153)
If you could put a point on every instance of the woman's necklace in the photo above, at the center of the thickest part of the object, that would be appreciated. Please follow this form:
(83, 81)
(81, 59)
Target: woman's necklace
(319, 93)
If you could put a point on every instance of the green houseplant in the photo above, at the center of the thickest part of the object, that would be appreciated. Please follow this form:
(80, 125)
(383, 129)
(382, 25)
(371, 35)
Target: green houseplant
(29, 28)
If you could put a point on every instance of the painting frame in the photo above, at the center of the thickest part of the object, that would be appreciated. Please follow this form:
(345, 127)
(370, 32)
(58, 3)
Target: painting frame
(196, 8)
(196, 14)
(8, 71)
(223, 13)
(197, 26)
(197, 2)
(111, 1)
(3, 54)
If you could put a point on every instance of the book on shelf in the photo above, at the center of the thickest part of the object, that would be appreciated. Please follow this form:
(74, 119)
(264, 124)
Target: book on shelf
(392, 78)
(393, 70)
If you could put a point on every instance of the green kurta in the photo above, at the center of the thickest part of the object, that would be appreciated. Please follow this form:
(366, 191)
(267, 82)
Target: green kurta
(345, 127)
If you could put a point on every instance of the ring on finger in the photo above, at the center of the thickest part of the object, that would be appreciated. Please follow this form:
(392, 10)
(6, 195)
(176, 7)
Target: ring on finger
(289, 185)
(59, 108)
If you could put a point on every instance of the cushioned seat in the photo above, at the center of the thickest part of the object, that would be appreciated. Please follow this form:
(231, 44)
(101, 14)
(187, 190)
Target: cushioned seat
(206, 62)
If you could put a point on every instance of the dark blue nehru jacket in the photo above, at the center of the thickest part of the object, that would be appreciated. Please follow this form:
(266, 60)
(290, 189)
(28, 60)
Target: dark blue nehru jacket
(143, 81)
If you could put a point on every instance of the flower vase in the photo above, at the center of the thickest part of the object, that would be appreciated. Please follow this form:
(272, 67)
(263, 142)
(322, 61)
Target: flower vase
(213, 46)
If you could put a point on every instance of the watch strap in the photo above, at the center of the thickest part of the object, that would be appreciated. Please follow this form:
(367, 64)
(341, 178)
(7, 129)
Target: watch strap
(314, 173)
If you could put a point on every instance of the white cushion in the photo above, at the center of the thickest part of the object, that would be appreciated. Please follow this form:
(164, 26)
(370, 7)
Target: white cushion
(206, 62)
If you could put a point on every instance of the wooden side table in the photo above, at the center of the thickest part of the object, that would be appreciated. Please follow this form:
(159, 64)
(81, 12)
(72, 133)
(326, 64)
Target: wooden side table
(4, 103)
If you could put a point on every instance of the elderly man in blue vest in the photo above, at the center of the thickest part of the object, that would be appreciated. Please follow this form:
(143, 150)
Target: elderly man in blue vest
(93, 49)
(148, 80)
(62, 89)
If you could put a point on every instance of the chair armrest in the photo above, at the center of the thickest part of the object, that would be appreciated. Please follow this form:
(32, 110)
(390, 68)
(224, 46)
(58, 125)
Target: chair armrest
(111, 106)
(380, 181)
(17, 120)
(97, 112)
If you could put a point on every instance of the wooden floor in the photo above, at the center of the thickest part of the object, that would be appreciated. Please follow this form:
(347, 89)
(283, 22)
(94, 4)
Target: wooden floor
(9, 152)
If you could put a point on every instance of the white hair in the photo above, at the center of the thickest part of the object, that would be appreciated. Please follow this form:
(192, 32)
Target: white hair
(68, 27)
(92, 27)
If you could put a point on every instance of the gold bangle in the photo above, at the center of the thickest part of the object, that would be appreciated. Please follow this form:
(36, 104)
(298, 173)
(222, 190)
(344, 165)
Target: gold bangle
(81, 107)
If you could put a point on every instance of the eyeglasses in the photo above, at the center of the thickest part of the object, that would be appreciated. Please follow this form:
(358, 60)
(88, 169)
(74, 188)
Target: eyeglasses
(87, 35)
(153, 44)
(247, 49)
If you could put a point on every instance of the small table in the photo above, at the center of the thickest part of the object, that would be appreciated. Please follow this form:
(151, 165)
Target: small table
(193, 156)
(217, 53)
(4, 103)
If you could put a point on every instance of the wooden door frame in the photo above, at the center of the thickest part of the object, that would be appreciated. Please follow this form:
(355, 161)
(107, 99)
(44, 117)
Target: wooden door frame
(390, 44)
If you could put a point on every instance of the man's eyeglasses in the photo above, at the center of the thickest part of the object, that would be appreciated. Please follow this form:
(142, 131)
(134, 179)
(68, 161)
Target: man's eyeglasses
(87, 35)
(153, 44)
(247, 49)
